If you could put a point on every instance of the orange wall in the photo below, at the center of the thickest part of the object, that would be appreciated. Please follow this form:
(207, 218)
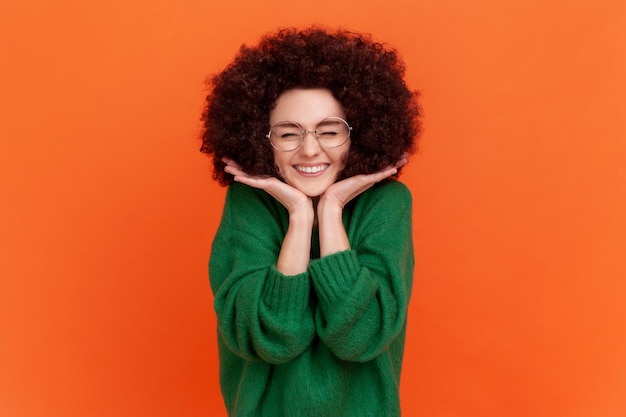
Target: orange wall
(107, 210)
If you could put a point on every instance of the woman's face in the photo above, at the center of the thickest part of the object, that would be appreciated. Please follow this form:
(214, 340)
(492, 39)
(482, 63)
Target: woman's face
(310, 168)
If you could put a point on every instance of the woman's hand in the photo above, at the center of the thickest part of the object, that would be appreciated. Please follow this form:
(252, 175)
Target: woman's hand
(295, 251)
(291, 198)
(340, 193)
(333, 237)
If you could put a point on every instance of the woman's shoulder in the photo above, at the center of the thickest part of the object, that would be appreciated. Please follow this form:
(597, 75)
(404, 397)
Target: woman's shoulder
(239, 194)
(386, 203)
(385, 200)
(253, 213)
(389, 191)
(248, 203)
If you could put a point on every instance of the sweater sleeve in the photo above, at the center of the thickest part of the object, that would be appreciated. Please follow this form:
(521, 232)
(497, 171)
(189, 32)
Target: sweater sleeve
(262, 313)
(364, 292)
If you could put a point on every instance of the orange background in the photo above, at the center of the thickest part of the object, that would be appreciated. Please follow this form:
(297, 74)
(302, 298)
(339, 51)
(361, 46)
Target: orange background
(108, 211)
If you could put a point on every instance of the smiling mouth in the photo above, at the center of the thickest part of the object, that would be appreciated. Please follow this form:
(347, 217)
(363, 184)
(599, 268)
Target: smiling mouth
(311, 169)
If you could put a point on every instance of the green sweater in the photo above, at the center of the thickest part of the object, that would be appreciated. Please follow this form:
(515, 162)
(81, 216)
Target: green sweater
(327, 342)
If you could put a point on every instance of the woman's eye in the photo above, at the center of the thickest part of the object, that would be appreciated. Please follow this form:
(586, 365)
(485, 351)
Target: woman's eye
(289, 135)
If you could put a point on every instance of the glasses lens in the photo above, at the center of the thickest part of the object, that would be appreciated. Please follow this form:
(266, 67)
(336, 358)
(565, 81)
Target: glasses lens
(332, 132)
(286, 136)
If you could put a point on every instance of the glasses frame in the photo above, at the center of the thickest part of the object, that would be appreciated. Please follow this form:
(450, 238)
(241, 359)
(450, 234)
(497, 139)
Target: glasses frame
(304, 132)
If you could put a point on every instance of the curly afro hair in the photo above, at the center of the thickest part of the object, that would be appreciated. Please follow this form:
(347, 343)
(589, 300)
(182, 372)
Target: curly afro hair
(366, 77)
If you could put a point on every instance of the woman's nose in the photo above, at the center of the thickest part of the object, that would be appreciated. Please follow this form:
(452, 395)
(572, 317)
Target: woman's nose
(310, 145)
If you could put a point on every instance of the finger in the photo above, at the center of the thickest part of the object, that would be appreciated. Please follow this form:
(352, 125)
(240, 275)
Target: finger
(381, 175)
(402, 162)
(349, 188)
(256, 182)
(235, 170)
(230, 162)
(363, 182)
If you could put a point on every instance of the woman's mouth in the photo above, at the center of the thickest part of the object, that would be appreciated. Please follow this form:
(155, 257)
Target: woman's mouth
(315, 169)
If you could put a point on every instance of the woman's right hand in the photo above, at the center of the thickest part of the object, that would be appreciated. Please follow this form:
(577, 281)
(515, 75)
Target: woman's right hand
(291, 198)
(295, 251)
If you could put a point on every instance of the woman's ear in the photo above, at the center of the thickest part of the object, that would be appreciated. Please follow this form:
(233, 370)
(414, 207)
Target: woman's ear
(277, 169)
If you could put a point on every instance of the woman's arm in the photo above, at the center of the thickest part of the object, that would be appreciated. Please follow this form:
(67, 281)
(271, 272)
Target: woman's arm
(296, 247)
(262, 312)
(363, 291)
(333, 237)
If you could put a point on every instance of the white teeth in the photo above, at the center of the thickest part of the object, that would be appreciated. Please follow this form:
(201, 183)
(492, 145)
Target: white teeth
(310, 170)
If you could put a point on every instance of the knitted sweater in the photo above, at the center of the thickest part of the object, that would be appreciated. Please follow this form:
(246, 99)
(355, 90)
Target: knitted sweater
(327, 342)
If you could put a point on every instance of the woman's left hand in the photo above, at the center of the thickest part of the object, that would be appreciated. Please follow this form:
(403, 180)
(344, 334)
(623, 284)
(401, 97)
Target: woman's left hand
(340, 193)
(333, 237)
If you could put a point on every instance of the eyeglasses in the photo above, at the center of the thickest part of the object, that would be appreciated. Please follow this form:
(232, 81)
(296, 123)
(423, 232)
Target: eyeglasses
(331, 132)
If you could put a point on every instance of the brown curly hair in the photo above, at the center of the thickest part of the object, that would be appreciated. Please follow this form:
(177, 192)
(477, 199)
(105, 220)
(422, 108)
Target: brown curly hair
(366, 77)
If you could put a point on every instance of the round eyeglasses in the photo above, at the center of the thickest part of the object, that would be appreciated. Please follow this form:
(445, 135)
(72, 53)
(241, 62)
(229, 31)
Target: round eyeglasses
(331, 132)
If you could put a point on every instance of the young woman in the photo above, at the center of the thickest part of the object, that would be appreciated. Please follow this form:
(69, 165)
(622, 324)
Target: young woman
(312, 264)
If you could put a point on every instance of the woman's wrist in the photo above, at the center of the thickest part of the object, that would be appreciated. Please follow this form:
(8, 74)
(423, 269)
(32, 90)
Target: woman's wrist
(296, 247)
(333, 236)
(329, 208)
(302, 215)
